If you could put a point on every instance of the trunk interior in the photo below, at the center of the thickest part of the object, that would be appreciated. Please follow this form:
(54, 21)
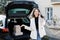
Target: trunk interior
(12, 23)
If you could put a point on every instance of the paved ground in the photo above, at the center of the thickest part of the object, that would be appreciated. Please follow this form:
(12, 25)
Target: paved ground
(53, 32)
(53, 39)
(50, 38)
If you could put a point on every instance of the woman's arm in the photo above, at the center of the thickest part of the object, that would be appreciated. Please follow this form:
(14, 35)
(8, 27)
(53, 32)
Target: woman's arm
(44, 22)
(26, 27)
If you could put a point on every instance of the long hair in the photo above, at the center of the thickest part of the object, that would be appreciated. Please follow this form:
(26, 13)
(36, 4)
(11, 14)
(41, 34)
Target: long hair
(38, 14)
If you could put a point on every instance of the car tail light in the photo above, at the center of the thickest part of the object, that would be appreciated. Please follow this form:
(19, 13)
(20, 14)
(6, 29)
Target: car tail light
(5, 30)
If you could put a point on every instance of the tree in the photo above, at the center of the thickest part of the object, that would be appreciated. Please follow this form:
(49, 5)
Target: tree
(2, 3)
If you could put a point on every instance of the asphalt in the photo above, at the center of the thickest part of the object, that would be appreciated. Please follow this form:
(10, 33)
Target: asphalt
(50, 38)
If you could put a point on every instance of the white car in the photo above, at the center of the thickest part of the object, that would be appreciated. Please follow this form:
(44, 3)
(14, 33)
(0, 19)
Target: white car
(2, 21)
(2, 24)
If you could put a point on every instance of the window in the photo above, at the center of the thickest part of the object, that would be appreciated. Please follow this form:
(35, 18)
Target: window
(49, 13)
(55, 0)
(18, 12)
(26, 20)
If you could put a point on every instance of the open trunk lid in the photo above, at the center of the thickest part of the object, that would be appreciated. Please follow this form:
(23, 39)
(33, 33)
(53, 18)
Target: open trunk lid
(19, 8)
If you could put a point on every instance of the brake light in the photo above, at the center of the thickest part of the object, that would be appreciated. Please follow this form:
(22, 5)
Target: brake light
(5, 30)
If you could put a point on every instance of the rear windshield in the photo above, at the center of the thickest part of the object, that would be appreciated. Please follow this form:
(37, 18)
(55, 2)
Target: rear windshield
(18, 12)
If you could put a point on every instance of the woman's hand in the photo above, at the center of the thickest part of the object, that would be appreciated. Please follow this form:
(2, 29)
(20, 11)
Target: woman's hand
(26, 27)
(23, 25)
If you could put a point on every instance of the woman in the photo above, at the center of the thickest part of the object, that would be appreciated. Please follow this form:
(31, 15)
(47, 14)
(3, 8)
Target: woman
(36, 25)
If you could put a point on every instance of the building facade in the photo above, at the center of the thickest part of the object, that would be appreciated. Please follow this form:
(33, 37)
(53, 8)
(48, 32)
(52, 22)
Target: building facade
(50, 9)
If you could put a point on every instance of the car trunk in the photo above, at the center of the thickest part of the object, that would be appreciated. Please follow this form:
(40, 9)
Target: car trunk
(12, 28)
